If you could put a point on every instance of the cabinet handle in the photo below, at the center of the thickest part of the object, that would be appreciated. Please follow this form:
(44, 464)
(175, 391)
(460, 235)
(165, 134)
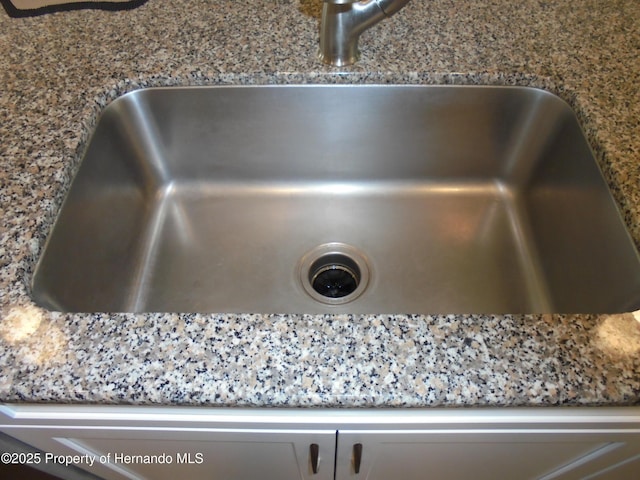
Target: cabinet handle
(357, 457)
(314, 451)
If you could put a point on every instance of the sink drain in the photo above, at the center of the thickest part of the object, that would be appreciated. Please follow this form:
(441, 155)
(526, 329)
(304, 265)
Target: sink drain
(334, 273)
(334, 276)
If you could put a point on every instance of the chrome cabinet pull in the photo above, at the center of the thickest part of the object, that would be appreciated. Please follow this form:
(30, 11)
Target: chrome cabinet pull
(357, 457)
(314, 451)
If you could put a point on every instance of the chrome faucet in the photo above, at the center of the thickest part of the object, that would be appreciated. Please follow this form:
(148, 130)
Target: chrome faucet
(343, 21)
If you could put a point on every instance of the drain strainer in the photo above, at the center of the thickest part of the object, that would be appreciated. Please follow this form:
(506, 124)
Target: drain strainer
(334, 273)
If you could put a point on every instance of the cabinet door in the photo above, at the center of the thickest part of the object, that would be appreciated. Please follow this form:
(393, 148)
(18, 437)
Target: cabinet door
(486, 455)
(191, 453)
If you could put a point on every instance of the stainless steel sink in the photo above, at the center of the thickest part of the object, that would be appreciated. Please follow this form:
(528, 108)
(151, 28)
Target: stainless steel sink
(342, 199)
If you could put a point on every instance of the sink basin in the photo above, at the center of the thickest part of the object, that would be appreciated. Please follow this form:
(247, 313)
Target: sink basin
(339, 199)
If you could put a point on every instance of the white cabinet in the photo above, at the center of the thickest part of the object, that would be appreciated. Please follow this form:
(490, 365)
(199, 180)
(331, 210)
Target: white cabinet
(486, 455)
(117, 443)
(236, 454)
(158, 443)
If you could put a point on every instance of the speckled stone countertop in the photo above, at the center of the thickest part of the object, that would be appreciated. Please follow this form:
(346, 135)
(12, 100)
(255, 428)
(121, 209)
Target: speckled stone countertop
(58, 71)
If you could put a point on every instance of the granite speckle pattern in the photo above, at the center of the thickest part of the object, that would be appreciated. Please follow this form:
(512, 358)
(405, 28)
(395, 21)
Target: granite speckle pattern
(57, 73)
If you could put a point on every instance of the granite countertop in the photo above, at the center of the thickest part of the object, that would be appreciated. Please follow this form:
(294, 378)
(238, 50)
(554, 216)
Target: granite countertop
(58, 71)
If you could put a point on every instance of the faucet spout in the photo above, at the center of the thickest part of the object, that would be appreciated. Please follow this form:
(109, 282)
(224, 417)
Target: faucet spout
(343, 21)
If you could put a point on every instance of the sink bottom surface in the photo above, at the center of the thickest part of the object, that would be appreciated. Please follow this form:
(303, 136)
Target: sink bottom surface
(443, 247)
